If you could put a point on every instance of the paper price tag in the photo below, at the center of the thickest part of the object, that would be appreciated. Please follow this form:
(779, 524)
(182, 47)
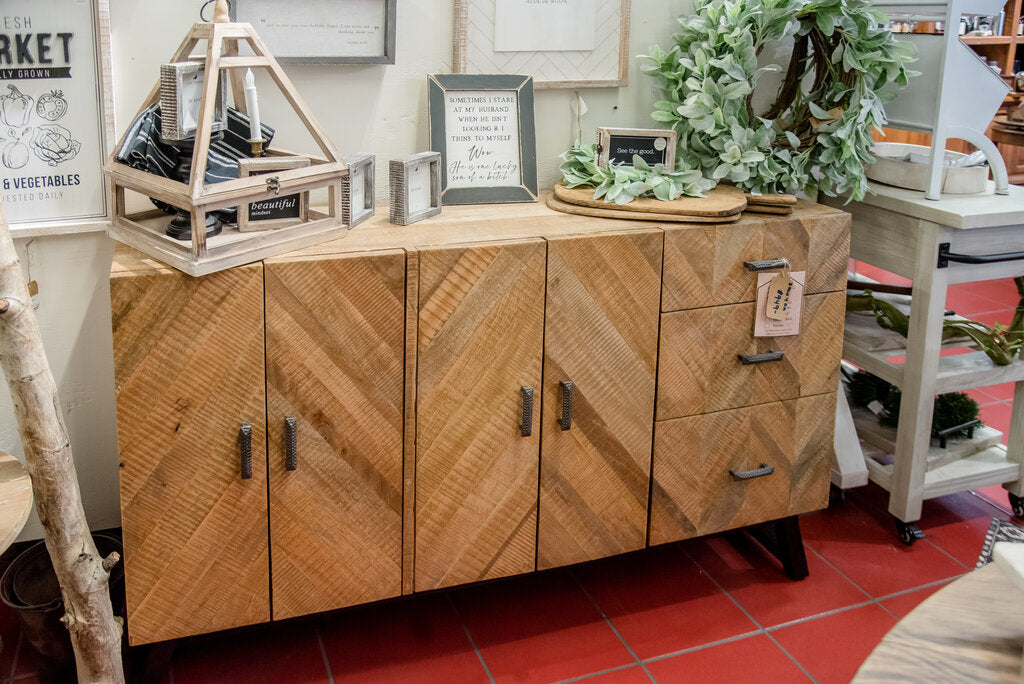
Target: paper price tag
(779, 302)
(33, 293)
(780, 296)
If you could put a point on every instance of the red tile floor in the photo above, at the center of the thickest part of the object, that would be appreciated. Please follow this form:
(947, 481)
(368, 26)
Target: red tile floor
(706, 610)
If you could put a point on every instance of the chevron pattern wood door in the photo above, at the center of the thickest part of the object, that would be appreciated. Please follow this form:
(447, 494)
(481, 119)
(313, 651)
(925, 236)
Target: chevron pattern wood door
(693, 491)
(188, 358)
(481, 331)
(335, 363)
(700, 371)
(601, 333)
(704, 266)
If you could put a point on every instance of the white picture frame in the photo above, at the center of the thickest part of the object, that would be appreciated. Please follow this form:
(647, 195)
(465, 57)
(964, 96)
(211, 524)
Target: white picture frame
(606, 65)
(357, 189)
(415, 188)
(69, 146)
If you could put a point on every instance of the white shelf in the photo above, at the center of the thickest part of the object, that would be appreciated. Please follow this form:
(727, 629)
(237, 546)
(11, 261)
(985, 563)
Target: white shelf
(984, 468)
(956, 373)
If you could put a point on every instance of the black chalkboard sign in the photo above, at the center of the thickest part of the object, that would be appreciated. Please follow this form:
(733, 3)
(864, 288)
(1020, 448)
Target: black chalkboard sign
(278, 211)
(620, 145)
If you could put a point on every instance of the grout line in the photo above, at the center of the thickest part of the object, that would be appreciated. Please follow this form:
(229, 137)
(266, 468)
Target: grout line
(608, 622)
(599, 673)
(472, 642)
(947, 553)
(842, 574)
(701, 647)
(991, 503)
(751, 617)
(323, 653)
(904, 592)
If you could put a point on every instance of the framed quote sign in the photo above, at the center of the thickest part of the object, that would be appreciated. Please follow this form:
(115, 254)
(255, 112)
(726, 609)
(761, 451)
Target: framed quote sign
(56, 114)
(561, 43)
(323, 31)
(653, 145)
(483, 126)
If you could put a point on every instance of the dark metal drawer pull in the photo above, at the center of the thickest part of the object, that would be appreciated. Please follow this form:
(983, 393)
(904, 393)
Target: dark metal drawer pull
(769, 265)
(526, 426)
(943, 435)
(291, 444)
(245, 447)
(751, 359)
(945, 256)
(764, 471)
(565, 420)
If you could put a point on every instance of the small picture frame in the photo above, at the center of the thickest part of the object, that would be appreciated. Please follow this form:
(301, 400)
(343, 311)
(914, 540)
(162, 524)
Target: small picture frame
(357, 189)
(415, 188)
(654, 146)
(277, 212)
(483, 126)
(181, 95)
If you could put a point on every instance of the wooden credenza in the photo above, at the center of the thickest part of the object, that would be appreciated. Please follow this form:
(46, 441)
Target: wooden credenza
(495, 391)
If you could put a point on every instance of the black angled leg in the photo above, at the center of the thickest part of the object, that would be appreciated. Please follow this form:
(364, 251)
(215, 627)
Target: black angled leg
(783, 540)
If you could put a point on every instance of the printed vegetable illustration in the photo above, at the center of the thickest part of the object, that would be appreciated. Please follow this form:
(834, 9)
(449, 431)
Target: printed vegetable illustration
(52, 105)
(15, 107)
(53, 144)
(15, 152)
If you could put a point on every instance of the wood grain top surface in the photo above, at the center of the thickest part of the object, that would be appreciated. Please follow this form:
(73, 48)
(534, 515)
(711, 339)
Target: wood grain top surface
(467, 224)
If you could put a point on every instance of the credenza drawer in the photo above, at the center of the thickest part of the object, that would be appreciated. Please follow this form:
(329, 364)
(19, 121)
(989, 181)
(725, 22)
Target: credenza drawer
(709, 359)
(705, 266)
(729, 469)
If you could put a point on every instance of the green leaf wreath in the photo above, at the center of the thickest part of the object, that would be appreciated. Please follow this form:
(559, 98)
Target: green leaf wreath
(817, 134)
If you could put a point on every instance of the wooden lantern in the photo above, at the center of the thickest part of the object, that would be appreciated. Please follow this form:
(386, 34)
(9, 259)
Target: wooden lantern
(145, 231)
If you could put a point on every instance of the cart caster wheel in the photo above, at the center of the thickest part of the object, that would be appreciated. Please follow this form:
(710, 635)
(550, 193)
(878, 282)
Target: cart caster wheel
(908, 532)
(1017, 504)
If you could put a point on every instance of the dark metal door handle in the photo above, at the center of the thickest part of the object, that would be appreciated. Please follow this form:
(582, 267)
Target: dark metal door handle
(769, 265)
(751, 359)
(763, 471)
(526, 426)
(565, 420)
(291, 444)
(245, 447)
(945, 256)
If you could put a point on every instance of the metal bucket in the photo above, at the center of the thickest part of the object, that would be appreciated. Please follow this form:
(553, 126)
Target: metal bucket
(29, 586)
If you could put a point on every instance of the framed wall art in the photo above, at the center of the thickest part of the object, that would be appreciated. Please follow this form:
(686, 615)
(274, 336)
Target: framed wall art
(415, 188)
(56, 115)
(323, 31)
(654, 146)
(564, 44)
(277, 212)
(483, 126)
(357, 189)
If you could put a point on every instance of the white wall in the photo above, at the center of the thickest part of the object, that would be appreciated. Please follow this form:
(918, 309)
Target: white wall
(377, 109)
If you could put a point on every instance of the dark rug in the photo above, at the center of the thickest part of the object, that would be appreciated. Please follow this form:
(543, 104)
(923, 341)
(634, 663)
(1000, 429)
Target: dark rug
(999, 531)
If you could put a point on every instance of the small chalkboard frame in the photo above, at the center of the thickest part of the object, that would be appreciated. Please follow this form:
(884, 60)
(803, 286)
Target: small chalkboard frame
(606, 139)
(261, 166)
(351, 215)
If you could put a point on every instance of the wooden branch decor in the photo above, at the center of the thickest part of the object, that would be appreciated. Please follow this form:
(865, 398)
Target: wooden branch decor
(95, 633)
(204, 254)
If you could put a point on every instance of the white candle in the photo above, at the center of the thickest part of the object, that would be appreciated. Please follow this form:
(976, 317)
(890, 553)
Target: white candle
(252, 106)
